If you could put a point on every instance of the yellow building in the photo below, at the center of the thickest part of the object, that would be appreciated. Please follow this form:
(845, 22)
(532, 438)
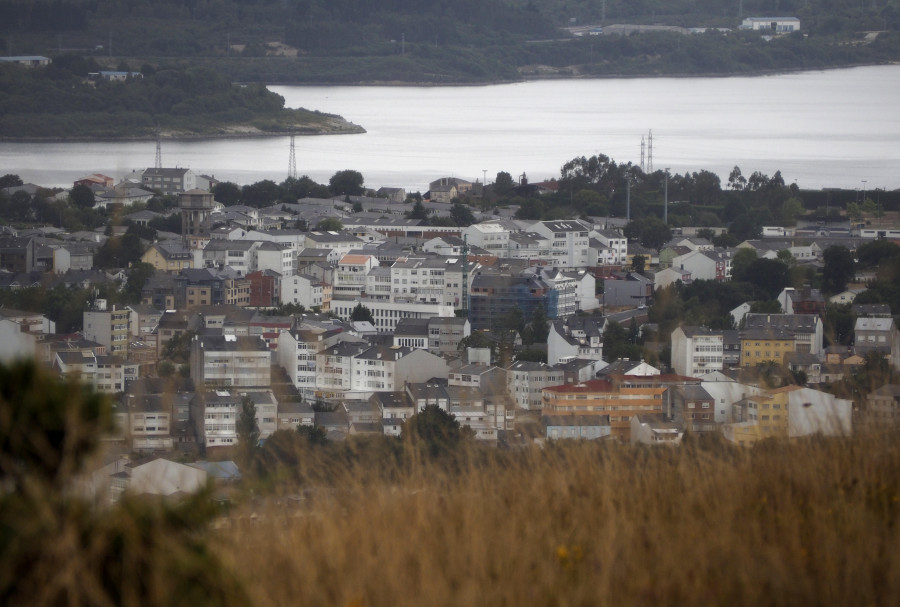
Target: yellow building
(169, 256)
(603, 397)
(759, 346)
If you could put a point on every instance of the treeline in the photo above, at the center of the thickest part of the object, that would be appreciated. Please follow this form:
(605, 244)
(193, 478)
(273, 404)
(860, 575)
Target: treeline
(61, 101)
(449, 41)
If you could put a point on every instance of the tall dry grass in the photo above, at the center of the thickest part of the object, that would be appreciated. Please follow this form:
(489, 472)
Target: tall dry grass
(801, 523)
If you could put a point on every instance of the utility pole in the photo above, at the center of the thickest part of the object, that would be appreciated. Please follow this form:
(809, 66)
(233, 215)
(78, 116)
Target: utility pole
(666, 200)
(628, 198)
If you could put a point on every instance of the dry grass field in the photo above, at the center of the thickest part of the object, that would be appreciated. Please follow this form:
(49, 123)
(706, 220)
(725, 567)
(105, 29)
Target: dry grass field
(801, 523)
(372, 522)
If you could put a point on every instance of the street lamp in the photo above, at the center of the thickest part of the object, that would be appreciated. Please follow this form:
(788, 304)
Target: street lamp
(666, 199)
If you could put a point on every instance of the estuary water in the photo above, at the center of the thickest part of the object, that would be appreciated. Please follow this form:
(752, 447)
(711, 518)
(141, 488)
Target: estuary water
(833, 128)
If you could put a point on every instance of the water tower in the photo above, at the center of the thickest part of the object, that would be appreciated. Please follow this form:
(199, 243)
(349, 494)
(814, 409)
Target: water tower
(196, 207)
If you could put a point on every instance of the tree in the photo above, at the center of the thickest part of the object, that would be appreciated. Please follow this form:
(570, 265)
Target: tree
(655, 234)
(247, 429)
(839, 269)
(50, 429)
(638, 263)
(540, 325)
(741, 262)
(362, 313)
(137, 278)
(227, 193)
(418, 211)
(434, 431)
(346, 182)
(736, 180)
(503, 183)
(461, 214)
(10, 180)
(790, 210)
(314, 435)
(82, 196)
(329, 224)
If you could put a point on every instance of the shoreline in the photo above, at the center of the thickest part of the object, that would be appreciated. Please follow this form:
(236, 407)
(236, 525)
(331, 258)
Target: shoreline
(358, 130)
(561, 74)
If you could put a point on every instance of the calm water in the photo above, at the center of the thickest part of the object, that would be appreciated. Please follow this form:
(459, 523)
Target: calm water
(833, 128)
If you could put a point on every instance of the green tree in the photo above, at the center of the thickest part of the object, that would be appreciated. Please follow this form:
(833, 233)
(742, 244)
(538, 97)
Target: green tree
(741, 262)
(10, 180)
(49, 428)
(138, 276)
(540, 325)
(247, 429)
(82, 196)
(790, 210)
(503, 184)
(361, 314)
(461, 214)
(329, 224)
(347, 182)
(314, 435)
(638, 263)
(227, 193)
(838, 270)
(435, 432)
(418, 211)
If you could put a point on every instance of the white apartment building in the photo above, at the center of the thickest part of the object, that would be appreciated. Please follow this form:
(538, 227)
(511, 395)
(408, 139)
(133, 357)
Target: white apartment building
(303, 290)
(297, 354)
(240, 255)
(525, 380)
(108, 327)
(230, 360)
(488, 235)
(616, 243)
(569, 242)
(276, 257)
(350, 277)
(215, 417)
(697, 351)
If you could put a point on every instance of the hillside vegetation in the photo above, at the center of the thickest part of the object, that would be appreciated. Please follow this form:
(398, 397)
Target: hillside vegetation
(60, 102)
(448, 41)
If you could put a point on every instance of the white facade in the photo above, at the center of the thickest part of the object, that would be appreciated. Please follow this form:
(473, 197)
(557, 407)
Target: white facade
(811, 412)
(302, 290)
(696, 351)
(277, 258)
(569, 242)
(350, 277)
(617, 244)
(386, 313)
(525, 380)
(488, 235)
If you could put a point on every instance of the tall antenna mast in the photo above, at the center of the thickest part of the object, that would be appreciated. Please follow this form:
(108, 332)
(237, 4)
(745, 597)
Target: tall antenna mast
(292, 161)
(650, 152)
(158, 148)
(643, 166)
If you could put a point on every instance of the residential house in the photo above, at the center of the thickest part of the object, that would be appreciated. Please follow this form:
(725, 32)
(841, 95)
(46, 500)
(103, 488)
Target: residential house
(575, 337)
(230, 361)
(655, 429)
(108, 327)
(525, 380)
(169, 181)
(878, 335)
(697, 350)
(169, 256)
(569, 242)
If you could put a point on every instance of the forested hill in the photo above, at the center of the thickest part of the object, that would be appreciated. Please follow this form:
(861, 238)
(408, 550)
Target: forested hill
(446, 41)
(61, 101)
